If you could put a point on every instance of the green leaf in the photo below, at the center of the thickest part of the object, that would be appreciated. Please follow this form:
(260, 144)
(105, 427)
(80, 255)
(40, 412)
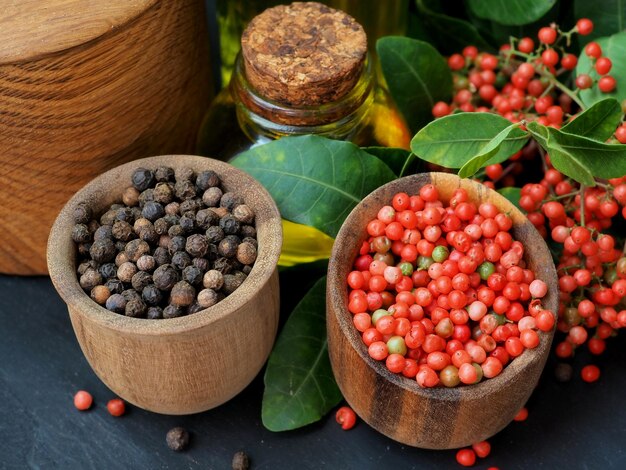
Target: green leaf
(315, 181)
(299, 384)
(450, 34)
(417, 76)
(609, 17)
(512, 194)
(394, 157)
(613, 47)
(597, 122)
(452, 140)
(476, 163)
(511, 12)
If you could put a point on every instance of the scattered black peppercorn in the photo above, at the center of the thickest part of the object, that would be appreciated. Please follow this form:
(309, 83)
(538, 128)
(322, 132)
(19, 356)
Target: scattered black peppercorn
(177, 439)
(126, 271)
(146, 196)
(241, 461)
(161, 226)
(213, 279)
(223, 265)
(85, 265)
(207, 298)
(130, 294)
(246, 253)
(142, 179)
(185, 174)
(189, 205)
(194, 308)
(177, 243)
(248, 231)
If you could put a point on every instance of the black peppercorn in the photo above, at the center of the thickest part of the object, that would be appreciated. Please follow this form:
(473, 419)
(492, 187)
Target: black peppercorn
(130, 294)
(187, 222)
(177, 243)
(165, 277)
(115, 286)
(182, 294)
(185, 189)
(135, 249)
(177, 439)
(223, 265)
(146, 196)
(126, 271)
(135, 308)
(189, 205)
(85, 265)
(146, 263)
(136, 212)
(104, 231)
(122, 231)
(181, 260)
(246, 253)
(243, 214)
(246, 269)
(205, 218)
(207, 179)
(108, 217)
(164, 173)
(140, 224)
(240, 461)
(151, 295)
(172, 208)
(100, 294)
(201, 263)
(140, 280)
(230, 200)
(92, 226)
(130, 196)
(90, 279)
(119, 245)
(176, 231)
(192, 275)
(161, 226)
(142, 179)
(102, 250)
(173, 311)
(108, 271)
(197, 245)
(164, 241)
(80, 233)
(215, 234)
(125, 214)
(148, 234)
(207, 298)
(161, 256)
(163, 193)
(563, 372)
(82, 214)
(121, 258)
(116, 303)
(213, 279)
(228, 246)
(194, 308)
(247, 231)
(211, 197)
(154, 313)
(229, 224)
(83, 250)
(152, 211)
(185, 174)
(231, 283)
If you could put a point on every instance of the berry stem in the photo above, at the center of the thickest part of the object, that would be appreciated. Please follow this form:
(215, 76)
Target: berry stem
(582, 205)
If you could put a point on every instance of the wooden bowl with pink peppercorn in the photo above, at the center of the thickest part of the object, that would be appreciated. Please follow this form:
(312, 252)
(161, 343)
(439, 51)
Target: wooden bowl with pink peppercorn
(439, 417)
(184, 364)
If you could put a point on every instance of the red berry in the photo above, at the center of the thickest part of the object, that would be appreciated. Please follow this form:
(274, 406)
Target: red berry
(584, 26)
(569, 61)
(83, 400)
(488, 62)
(593, 49)
(603, 65)
(606, 84)
(456, 62)
(346, 417)
(441, 109)
(466, 457)
(526, 45)
(521, 415)
(526, 70)
(549, 57)
(116, 407)
(547, 35)
(590, 373)
(584, 81)
(470, 52)
(482, 449)
(620, 135)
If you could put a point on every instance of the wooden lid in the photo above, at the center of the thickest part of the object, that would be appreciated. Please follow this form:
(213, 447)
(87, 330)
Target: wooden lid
(303, 54)
(33, 28)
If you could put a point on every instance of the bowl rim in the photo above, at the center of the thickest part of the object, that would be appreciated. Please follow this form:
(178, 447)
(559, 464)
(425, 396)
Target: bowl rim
(351, 231)
(61, 254)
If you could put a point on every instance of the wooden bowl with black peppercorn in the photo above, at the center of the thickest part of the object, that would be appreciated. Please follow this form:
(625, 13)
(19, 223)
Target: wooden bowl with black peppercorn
(438, 417)
(183, 358)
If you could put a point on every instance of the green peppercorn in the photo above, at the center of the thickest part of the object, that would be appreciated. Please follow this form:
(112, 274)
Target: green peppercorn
(82, 214)
(207, 179)
(142, 179)
(165, 276)
(102, 250)
(485, 270)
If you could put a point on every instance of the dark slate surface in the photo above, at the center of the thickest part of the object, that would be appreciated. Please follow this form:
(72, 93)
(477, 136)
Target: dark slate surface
(573, 425)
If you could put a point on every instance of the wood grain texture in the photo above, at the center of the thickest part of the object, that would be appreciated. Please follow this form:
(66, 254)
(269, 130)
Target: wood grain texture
(88, 100)
(187, 364)
(436, 418)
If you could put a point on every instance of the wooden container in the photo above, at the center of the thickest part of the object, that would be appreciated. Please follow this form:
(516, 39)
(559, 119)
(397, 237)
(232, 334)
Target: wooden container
(187, 364)
(85, 86)
(433, 418)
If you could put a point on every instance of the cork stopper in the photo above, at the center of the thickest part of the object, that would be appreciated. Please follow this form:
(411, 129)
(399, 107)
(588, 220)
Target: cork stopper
(303, 54)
